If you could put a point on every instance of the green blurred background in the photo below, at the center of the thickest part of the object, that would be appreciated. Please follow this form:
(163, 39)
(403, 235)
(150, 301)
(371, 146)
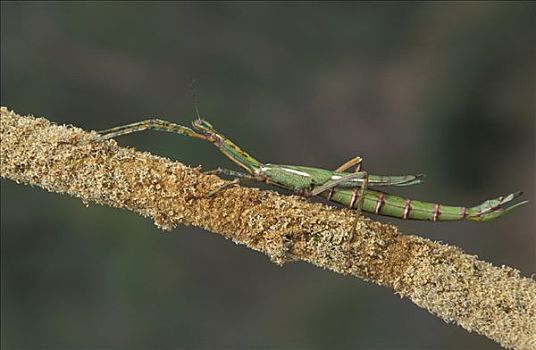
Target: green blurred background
(441, 88)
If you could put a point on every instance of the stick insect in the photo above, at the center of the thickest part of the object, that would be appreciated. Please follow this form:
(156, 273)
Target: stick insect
(340, 186)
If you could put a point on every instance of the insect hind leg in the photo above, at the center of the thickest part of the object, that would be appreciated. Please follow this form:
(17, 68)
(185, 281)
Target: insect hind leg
(357, 161)
(358, 197)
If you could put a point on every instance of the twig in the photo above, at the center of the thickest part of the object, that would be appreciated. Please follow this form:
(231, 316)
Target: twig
(459, 288)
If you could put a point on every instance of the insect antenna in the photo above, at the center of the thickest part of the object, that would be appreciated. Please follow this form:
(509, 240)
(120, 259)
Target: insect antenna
(193, 93)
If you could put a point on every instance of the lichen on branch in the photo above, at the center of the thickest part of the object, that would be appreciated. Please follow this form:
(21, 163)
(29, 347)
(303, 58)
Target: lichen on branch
(493, 301)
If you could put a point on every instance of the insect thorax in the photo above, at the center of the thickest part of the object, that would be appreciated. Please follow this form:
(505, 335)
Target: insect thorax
(294, 177)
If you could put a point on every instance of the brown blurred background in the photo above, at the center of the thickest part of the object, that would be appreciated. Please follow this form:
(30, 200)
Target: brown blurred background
(442, 88)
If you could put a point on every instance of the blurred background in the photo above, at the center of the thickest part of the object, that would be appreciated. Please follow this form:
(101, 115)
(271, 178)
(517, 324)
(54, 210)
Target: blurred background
(446, 89)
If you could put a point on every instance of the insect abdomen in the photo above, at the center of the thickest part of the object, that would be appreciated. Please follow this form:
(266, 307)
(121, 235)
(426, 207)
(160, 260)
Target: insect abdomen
(390, 205)
(382, 203)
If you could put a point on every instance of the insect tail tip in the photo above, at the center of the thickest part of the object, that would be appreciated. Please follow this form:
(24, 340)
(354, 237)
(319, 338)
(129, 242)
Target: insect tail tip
(420, 177)
(517, 194)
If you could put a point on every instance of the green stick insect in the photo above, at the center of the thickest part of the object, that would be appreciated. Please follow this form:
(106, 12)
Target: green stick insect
(347, 188)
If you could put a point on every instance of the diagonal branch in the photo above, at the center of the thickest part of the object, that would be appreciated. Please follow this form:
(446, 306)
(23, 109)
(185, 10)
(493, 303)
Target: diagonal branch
(459, 288)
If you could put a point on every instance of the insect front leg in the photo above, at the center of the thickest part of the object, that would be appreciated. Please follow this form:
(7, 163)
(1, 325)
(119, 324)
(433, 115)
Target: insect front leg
(149, 124)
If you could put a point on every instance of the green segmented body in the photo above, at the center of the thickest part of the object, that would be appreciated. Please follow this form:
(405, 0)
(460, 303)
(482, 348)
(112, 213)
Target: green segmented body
(303, 180)
(298, 178)
(382, 203)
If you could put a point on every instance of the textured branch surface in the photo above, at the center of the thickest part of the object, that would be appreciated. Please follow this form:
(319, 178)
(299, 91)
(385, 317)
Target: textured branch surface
(459, 288)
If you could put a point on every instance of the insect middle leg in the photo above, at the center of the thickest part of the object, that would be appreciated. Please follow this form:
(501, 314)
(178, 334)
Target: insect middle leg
(359, 193)
(331, 184)
(357, 161)
(237, 176)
